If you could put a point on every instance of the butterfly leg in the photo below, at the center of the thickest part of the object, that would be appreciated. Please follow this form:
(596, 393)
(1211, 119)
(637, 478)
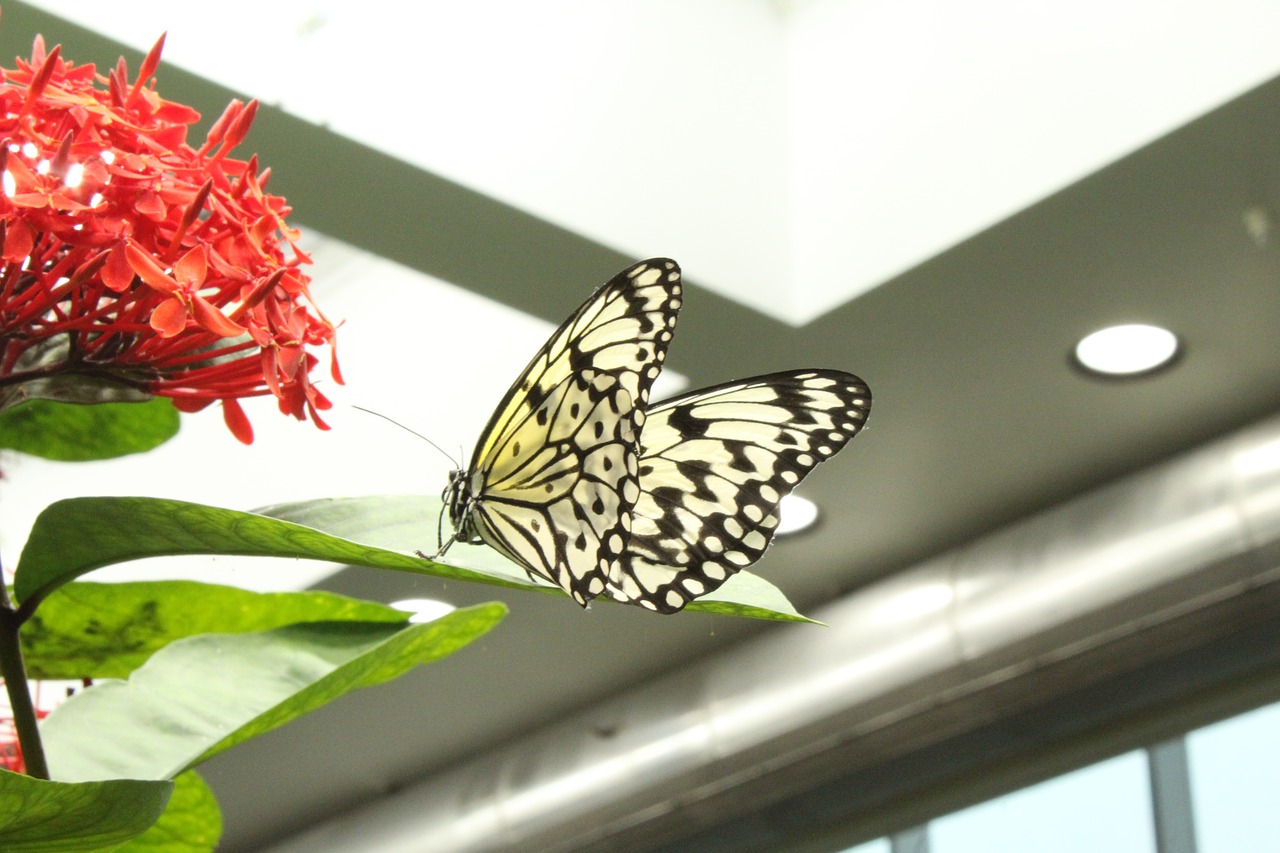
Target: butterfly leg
(440, 552)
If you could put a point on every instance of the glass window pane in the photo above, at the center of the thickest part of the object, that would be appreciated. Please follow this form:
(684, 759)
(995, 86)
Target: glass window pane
(1105, 808)
(1235, 777)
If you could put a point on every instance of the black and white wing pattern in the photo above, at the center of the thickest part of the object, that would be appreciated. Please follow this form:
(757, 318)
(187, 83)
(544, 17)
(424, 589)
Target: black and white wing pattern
(714, 465)
(555, 474)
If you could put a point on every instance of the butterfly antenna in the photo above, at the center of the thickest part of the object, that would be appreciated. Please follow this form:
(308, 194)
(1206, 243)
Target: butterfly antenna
(443, 452)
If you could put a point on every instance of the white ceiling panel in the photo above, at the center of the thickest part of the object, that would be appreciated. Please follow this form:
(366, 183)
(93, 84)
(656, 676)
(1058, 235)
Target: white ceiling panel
(790, 155)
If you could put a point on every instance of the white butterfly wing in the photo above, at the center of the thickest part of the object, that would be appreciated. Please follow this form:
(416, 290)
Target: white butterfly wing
(714, 465)
(554, 476)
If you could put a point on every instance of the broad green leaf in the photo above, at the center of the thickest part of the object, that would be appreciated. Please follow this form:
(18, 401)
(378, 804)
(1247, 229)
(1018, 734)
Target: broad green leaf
(410, 522)
(107, 630)
(75, 536)
(60, 817)
(199, 696)
(191, 824)
(76, 432)
(401, 523)
(747, 594)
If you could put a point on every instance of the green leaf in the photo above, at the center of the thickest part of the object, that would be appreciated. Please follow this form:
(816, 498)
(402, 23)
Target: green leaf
(59, 817)
(406, 522)
(75, 536)
(403, 523)
(199, 696)
(74, 432)
(191, 824)
(747, 594)
(107, 630)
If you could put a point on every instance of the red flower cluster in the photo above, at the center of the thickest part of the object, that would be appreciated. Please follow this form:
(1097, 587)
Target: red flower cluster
(134, 262)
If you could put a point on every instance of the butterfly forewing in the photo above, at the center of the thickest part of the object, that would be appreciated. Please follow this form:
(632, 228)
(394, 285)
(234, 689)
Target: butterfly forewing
(554, 476)
(714, 465)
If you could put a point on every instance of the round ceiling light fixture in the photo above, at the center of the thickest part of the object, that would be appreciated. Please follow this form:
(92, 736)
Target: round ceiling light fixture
(1127, 350)
(796, 514)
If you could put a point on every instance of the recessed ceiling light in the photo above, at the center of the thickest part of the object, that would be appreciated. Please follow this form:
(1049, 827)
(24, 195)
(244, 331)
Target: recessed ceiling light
(423, 609)
(1127, 350)
(796, 514)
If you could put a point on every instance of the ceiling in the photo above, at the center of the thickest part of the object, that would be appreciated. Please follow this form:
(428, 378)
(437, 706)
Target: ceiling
(979, 417)
(695, 129)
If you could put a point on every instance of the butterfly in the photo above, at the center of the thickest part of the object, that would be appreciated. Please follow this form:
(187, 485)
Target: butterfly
(577, 480)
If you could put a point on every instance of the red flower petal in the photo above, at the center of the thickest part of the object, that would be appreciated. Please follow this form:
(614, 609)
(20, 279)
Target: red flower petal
(150, 205)
(334, 370)
(289, 358)
(190, 405)
(116, 273)
(150, 271)
(19, 240)
(169, 317)
(191, 267)
(237, 421)
(210, 318)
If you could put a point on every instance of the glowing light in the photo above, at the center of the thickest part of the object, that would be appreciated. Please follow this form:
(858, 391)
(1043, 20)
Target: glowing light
(424, 609)
(913, 603)
(796, 514)
(1127, 350)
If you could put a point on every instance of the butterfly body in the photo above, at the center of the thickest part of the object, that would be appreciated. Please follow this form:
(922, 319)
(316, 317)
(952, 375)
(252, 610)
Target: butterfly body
(579, 481)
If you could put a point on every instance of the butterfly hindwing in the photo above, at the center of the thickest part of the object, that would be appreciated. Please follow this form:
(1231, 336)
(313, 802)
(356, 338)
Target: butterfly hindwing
(554, 476)
(714, 465)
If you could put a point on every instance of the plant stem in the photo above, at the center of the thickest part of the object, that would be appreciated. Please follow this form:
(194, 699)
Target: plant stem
(14, 672)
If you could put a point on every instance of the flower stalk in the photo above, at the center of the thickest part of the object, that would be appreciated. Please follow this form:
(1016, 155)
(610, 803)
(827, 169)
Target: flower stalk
(14, 673)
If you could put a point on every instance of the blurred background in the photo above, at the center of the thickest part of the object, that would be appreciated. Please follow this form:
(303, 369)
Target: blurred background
(1050, 590)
